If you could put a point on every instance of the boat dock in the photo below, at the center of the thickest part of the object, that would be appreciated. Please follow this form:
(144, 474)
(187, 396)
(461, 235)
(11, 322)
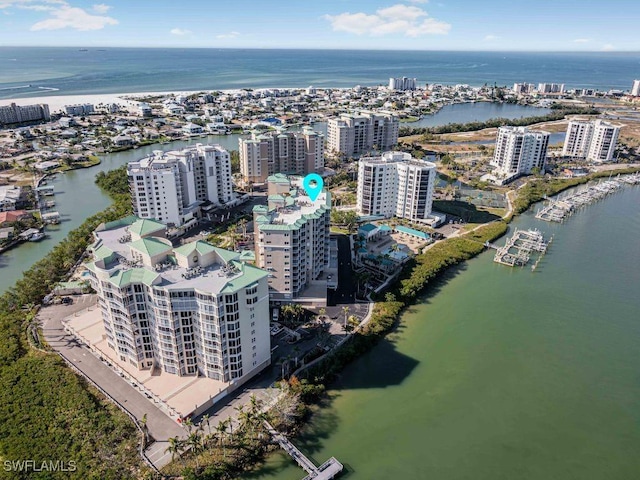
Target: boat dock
(556, 210)
(46, 190)
(328, 470)
(633, 179)
(519, 247)
(51, 218)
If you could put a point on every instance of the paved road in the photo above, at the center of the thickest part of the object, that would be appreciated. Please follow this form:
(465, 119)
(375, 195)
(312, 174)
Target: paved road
(346, 292)
(160, 426)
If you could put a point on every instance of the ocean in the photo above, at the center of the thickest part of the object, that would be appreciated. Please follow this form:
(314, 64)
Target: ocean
(34, 71)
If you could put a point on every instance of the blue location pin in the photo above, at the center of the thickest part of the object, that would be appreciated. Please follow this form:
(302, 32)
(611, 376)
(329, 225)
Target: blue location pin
(313, 184)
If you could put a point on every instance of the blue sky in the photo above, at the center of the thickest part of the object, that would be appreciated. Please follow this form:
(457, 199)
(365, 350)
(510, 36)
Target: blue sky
(565, 25)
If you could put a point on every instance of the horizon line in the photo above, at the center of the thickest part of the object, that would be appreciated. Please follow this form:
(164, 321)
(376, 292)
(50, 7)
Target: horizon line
(175, 47)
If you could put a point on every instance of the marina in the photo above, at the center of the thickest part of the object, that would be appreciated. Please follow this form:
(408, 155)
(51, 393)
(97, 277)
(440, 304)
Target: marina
(520, 246)
(556, 210)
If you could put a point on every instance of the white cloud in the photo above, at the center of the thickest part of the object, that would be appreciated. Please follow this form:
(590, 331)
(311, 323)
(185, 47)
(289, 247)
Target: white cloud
(581, 40)
(101, 8)
(179, 31)
(228, 35)
(73, 17)
(418, 1)
(607, 47)
(409, 20)
(31, 4)
(62, 15)
(489, 38)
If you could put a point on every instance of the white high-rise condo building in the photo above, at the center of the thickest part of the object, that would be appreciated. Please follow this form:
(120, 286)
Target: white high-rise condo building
(395, 184)
(523, 88)
(353, 134)
(595, 141)
(172, 186)
(10, 114)
(291, 236)
(296, 153)
(551, 88)
(635, 88)
(577, 139)
(518, 151)
(402, 83)
(80, 109)
(603, 142)
(194, 310)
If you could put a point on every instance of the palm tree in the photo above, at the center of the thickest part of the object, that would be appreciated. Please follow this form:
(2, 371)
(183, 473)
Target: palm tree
(296, 352)
(194, 441)
(346, 311)
(221, 430)
(243, 226)
(174, 448)
(255, 404)
(188, 424)
(205, 418)
(143, 425)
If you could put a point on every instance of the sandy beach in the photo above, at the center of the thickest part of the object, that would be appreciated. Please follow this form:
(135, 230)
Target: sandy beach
(57, 102)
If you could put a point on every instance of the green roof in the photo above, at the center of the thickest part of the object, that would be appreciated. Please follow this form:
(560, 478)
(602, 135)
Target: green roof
(260, 209)
(367, 227)
(151, 246)
(121, 222)
(247, 256)
(133, 275)
(278, 178)
(250, 275)
(102, 253)
(411, 231)
(145, 226)
(203, 248)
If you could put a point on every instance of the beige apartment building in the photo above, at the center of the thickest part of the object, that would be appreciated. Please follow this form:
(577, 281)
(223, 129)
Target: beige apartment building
(292, 239)
(295, 153)
(354, 134)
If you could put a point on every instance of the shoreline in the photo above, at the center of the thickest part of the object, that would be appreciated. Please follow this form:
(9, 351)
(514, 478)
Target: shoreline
(57, 102)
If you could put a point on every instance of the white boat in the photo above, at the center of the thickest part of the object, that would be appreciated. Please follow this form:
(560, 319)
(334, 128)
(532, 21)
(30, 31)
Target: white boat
(36, 237)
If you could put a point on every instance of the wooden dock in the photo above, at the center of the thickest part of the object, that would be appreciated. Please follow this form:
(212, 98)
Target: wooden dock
(328, 470)
(519, 247)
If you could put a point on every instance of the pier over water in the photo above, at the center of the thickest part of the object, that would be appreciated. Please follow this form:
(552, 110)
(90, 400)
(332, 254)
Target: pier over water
(328, 470)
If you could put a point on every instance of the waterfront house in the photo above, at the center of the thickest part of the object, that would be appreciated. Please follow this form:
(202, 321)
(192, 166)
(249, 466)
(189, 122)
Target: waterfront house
(9, 197)
(6, 234)
(8, 218)
(123, 141)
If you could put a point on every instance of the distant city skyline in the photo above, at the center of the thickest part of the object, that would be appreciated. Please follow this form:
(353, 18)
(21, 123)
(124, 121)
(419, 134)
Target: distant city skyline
(562, 25)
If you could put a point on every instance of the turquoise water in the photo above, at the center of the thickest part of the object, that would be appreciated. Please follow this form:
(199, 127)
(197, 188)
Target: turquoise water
(116, 70)
(503, 373)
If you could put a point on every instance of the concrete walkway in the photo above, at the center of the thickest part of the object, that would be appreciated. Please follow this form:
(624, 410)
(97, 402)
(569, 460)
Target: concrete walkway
(159, 425)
